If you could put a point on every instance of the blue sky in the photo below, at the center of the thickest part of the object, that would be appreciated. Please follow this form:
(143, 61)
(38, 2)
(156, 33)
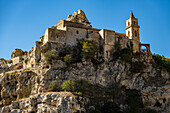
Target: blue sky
(22, 22)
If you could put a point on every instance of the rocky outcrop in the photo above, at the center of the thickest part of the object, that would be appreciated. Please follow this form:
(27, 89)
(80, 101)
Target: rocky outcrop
(17, 84)
(151, 82)
(61, 102)
(18, 52)
(78, 16)
(4, 65)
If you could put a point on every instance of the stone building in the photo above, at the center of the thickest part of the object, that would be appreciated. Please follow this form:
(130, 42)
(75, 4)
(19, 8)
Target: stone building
(77, 27)
(18, 56)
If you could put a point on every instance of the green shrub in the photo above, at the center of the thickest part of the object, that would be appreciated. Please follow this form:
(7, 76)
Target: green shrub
(68, 85)
(68, 58)
(162, 62)
(137, 67)
(158, 59)
(33, 86)
(126, 55)
(12, 74)
(89, 48)
(38, 70)
(51, 55)
(26, 60)
(80, 93)
(9, 61)
(27, 69)
(64, 51)
(53, 86)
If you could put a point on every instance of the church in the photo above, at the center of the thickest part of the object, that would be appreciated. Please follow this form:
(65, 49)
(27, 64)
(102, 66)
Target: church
(77, 27)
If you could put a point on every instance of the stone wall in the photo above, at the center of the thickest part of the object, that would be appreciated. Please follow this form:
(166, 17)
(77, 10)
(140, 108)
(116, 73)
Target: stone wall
(75, 34)
(16, 60)
(110, 39)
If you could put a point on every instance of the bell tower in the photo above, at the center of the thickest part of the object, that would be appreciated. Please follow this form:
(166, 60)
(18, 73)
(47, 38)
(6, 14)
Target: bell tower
(132, 28)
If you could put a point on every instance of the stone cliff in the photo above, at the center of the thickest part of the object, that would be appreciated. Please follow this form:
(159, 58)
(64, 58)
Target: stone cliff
(110, 80)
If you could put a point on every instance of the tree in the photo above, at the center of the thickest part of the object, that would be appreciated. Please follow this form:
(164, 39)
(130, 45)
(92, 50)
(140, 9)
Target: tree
(68, 85)
(89, 48)
(53, 86)
(68, 58)
(161, 61)
(51, 55)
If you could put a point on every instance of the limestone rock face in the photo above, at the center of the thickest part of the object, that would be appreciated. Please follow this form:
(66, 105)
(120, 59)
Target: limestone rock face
(3, 65)
(78, 16)
(52, 102)
(15, 85)
(18, 52)
(153, 84)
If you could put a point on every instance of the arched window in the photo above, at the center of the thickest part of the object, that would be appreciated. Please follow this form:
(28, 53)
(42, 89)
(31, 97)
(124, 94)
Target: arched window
(128, 33)
(128, 23)
(136, 34)
(119, 39)
(143, 49)
(77, 32)
(134, 23)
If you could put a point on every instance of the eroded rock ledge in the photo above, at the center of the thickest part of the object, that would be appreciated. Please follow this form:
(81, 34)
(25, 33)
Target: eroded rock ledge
(51, 102)
(152, 83)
